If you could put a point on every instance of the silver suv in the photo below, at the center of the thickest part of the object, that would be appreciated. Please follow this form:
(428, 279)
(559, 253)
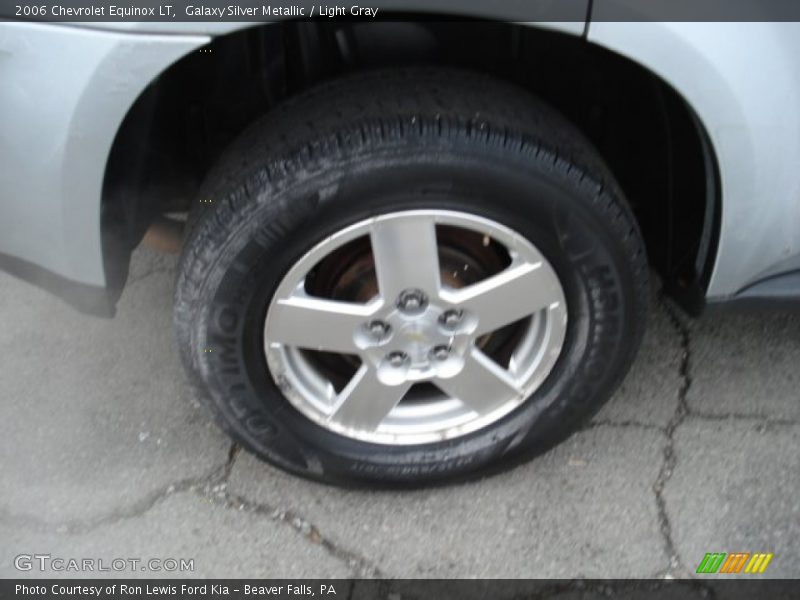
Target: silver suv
(414, 249)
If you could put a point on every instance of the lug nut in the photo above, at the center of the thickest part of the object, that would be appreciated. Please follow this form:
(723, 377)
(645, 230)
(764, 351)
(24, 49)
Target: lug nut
(451, 318)
(397, 359)
(412, 301)
(378, 329)
(440, 352)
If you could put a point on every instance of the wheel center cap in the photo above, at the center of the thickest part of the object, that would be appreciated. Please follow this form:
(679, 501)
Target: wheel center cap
(415, 336)
(431, 349)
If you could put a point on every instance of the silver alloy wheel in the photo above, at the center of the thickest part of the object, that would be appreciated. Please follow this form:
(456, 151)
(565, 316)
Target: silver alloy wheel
(416, 329)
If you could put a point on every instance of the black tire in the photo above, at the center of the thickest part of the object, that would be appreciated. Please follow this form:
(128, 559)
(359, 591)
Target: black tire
(339, 154)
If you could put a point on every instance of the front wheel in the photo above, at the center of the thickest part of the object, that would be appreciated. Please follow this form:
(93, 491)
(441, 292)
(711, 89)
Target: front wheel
(408, 276)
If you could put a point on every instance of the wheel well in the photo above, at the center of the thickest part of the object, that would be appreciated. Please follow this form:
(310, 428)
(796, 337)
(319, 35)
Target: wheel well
(650, 138)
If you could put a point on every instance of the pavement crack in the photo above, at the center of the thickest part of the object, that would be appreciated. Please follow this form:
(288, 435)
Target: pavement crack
(216, 476)
(628, 424)
(359, 566)
(675, 567)
(219, 485)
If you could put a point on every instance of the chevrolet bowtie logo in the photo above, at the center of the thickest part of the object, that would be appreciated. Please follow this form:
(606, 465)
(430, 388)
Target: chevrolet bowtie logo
(416, 336)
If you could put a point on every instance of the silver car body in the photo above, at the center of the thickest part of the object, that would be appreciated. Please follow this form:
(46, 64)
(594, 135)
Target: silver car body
(60, 111)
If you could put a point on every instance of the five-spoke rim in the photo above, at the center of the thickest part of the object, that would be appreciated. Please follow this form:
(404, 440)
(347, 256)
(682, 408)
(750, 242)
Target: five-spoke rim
(416, 330)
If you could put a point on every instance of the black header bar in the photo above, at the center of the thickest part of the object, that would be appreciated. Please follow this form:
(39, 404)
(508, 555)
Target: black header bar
(258, 11)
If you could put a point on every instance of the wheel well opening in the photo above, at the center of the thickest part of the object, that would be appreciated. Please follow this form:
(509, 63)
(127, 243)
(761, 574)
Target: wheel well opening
(647, 134)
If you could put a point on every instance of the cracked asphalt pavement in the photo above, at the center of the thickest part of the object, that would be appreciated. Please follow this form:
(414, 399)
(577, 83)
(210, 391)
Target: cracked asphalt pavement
(106, 455)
